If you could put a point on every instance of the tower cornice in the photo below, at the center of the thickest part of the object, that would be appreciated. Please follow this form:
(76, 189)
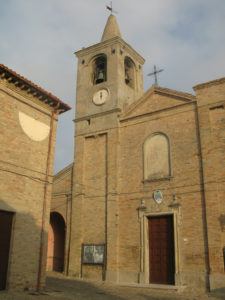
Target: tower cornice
(115, 40)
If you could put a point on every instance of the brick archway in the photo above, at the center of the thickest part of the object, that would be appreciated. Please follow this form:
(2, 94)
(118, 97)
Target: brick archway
(56, 243)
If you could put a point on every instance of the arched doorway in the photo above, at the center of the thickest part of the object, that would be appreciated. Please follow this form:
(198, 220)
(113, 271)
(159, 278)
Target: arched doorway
(56, 243)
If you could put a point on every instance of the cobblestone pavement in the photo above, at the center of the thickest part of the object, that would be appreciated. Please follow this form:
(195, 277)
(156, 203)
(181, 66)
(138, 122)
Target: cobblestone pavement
(59, 287)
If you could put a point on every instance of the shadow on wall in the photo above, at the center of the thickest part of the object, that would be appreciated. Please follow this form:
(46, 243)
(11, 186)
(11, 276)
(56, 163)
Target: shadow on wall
(219, 293)
(19, 249)
(222, 222)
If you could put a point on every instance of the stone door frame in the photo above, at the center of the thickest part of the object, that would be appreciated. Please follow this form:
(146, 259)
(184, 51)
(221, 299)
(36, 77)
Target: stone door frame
(144, 245)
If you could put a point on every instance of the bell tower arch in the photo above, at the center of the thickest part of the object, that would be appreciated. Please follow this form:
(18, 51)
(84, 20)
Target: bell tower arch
(99, 69)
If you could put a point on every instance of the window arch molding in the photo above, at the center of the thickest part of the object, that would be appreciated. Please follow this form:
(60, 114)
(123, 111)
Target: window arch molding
(99, 68)
(156, 157)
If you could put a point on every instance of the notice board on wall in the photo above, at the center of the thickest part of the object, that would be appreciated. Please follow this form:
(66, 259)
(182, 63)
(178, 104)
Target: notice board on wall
(93, 254)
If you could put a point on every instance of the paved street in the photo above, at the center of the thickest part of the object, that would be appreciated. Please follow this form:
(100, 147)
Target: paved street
(64, 288)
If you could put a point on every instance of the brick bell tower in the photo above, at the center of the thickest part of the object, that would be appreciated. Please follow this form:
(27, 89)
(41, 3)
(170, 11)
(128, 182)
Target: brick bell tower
(109, 79)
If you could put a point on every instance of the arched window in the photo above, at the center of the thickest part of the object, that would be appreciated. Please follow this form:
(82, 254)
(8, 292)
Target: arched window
(129, 71)
(156, 157)
(99, 68)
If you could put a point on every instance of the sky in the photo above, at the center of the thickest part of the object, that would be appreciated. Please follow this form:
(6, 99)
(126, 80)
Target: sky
(185, 38)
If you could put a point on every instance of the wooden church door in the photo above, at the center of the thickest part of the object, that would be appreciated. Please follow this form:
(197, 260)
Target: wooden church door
(5, 237)
(161, 249)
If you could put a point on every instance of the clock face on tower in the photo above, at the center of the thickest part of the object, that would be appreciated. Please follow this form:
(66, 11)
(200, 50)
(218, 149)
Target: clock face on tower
(100, 97)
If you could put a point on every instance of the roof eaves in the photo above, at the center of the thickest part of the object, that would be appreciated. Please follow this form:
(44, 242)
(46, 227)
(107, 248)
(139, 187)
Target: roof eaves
(209, 83)
(32, 88)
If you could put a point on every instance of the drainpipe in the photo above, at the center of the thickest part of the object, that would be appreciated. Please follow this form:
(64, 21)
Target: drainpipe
(45, 201)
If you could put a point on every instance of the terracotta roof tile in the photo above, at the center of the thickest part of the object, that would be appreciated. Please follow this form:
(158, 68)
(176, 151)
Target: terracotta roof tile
(10, 73)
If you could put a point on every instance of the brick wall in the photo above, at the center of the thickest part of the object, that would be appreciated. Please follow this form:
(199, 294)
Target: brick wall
(112, 200)
(211, 106)
(22, 179)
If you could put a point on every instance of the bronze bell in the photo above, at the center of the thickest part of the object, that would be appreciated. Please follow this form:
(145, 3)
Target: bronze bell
(127, 77)
(100, 77)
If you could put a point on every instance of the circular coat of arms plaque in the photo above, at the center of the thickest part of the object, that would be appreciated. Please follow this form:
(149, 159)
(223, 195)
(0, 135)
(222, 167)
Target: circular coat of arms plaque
(158, 196)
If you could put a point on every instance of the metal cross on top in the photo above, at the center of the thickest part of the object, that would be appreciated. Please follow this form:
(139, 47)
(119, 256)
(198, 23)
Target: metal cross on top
(111, 8)
(155, 74)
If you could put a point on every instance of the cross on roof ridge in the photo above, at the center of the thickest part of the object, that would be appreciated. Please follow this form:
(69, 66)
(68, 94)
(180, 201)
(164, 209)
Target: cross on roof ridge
(155, 74)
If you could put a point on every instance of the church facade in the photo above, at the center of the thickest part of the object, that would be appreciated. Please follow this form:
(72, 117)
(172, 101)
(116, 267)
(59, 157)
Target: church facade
(143, 201)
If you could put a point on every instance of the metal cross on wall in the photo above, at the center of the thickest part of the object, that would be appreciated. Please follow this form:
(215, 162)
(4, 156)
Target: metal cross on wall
(155, 74)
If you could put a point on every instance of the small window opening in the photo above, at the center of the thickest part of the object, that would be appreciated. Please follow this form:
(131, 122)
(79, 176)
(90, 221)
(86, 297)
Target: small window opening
(129, 72)
(100, 70)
